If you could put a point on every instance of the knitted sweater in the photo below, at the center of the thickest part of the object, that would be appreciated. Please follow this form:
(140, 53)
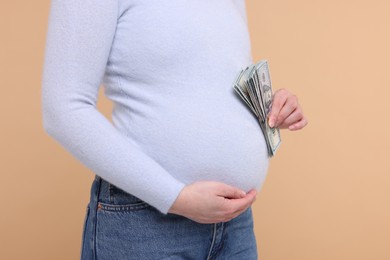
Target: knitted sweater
(168, 67)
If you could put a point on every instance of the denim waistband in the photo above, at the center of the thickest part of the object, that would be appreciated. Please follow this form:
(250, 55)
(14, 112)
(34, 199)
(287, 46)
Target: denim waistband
(108, 193)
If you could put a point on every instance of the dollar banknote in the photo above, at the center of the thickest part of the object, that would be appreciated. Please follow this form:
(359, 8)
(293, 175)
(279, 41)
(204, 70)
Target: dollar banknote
(253, 85)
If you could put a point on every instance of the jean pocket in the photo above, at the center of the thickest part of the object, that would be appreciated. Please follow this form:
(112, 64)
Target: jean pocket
(119, 200)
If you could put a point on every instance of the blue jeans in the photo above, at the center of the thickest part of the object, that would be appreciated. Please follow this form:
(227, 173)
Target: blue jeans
(120, 226)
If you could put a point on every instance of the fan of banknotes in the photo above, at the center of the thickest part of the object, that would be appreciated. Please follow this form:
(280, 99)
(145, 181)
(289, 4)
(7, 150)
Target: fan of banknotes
(253, 84)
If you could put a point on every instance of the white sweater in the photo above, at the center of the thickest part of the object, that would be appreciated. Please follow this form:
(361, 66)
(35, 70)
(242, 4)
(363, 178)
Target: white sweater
(168, 67)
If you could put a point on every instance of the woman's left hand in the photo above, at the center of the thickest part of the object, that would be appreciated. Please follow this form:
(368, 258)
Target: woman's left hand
(286, 111)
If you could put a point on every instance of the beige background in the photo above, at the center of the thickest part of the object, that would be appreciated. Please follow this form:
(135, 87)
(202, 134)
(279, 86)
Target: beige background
(327, 195)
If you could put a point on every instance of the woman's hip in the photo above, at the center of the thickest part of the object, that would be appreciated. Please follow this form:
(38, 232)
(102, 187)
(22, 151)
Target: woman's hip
(119, 225)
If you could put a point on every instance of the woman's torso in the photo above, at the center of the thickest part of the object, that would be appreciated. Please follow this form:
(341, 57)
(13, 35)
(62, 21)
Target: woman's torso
(170, 75)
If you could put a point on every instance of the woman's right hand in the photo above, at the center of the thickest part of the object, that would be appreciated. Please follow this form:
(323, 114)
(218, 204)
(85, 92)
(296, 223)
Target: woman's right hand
(212, 202)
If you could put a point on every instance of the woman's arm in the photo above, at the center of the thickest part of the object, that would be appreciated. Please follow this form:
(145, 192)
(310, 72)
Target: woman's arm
(78, 43)
(79, 39)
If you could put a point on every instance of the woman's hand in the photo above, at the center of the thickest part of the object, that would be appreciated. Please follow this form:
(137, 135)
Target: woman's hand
(212, 202)
(286, 111)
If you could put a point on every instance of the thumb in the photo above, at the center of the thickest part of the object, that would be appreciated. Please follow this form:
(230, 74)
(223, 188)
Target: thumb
(230, 192)
(273, 114)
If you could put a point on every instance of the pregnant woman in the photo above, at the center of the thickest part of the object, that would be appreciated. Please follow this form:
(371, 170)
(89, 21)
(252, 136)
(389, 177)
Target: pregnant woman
(177, 171)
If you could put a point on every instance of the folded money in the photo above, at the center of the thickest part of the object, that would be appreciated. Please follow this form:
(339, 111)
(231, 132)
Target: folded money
(253, 85)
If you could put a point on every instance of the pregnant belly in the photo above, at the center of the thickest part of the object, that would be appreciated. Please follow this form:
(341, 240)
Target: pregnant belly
(198, 142)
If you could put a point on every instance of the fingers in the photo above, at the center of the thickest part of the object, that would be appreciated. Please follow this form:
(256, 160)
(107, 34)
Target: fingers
(230, 192)
(242, 204)
(286, 111)
(211, 202)
(279, 100)
(299, 125)
(237, 206)
(292, 118)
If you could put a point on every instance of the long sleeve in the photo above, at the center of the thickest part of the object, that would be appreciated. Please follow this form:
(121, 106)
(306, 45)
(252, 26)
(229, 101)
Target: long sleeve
(78, 44)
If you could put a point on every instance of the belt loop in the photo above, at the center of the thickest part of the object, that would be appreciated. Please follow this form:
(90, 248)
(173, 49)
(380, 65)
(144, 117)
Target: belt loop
(96, 190)
(111, 192)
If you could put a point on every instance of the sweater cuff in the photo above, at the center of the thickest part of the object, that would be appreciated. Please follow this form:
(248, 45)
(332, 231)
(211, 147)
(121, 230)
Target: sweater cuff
(168, 197)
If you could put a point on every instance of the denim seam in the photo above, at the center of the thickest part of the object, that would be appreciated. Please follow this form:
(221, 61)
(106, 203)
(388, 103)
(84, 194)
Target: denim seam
(107, 207)
(87, 213)
(219, 246)
(213, 241)
(94, 237)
